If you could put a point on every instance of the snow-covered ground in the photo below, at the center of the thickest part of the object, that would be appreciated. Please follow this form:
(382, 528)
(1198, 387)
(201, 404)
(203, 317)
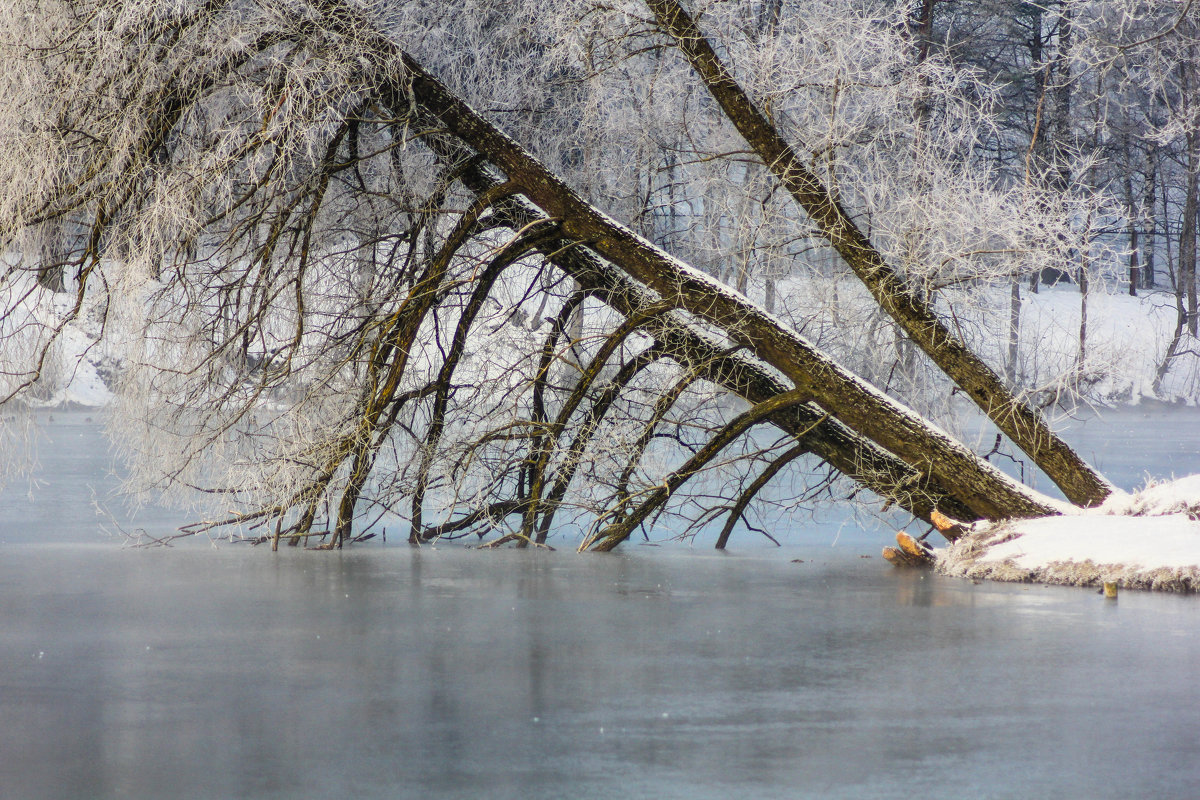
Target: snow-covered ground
(1127, 338)
(1125, 342)
(82, 384)
(78, 370)
(1148, 540)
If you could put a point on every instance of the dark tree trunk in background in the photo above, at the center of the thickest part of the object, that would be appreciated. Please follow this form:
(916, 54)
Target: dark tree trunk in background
(1149, 237)
(51, 270)
(1061, 150)
(1135, 271)
(1185, 283)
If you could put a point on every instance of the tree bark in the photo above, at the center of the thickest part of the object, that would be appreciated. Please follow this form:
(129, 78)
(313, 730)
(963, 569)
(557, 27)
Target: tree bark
(1084, 288)
(855, 456)
(1014, 331)
(1023, 425)
(1186, 273)
(1149, 237)
(1060, 121)
(1164, 366)
(1135, 271)
(983, 489)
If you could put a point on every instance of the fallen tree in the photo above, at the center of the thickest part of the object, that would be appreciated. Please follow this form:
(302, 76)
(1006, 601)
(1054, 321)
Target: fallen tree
(816, 432)
(979, 487)
(329, 311)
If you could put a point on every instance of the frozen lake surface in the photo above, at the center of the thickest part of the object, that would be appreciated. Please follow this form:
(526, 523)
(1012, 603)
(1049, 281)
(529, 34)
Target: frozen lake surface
(386, 672)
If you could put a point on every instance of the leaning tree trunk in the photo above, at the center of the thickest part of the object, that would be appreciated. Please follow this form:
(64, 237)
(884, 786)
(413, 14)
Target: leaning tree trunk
(1023, 425)
(908, 486)
(787, 380)
(1185, 285)
(851, 454)
(985, 490)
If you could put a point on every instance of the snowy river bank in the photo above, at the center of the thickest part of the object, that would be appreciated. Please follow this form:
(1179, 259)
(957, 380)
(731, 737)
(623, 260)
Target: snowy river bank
(1146, 536)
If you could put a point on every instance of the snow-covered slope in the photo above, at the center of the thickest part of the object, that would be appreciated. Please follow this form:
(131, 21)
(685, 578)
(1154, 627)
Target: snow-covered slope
(79, 368)
(1127, 338)
(83, 383)
(1148, 540)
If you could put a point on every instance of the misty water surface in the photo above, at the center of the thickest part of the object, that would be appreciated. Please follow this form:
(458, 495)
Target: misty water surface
(387, 672)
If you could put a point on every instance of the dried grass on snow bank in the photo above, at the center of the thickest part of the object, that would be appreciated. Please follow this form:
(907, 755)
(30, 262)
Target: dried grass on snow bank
(1018, 552)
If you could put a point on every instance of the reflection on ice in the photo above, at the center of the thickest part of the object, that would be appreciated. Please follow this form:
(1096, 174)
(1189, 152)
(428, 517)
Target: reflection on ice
(651, 672)
(660, 672)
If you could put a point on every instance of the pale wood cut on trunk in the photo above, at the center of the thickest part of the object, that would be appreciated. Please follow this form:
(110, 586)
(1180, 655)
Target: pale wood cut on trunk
(949, 528)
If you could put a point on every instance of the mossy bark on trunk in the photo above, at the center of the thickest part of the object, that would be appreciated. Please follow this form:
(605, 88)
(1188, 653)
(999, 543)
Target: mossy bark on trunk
(986, 491)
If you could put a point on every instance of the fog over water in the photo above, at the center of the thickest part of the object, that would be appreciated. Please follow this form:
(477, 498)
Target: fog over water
(384, 671)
